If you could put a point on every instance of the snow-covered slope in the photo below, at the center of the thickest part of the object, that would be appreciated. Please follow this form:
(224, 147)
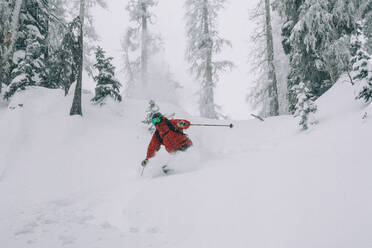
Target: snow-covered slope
(74, 182)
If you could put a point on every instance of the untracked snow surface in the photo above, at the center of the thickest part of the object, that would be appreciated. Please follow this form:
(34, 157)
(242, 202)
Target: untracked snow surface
(75, 182)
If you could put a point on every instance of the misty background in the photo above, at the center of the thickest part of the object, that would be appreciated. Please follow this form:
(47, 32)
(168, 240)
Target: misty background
(169, 22)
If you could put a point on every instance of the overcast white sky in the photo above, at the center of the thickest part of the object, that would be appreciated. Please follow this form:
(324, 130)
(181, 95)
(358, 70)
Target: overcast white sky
(169, 22)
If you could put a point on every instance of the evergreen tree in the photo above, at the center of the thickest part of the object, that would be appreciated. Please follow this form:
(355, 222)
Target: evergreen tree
(5, 14)
(63, 64)
(28, 70)
(152, 109)
(366, 15)
(5, 19)
(139, 13)
(305, 107)
(5, 22)
(57, 27)
(10, 18)
(315, 35)
(45, 20)
(107, 85)
(204, 43)
(58, 23)
(30, 48)
(362, 67)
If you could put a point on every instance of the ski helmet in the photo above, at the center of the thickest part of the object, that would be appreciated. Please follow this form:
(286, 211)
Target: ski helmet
(156, 114)
(156, 118)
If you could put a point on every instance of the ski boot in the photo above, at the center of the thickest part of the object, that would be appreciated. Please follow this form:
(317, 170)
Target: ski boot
(165, 169)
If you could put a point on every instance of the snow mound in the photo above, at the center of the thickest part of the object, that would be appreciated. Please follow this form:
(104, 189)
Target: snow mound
(339, 101)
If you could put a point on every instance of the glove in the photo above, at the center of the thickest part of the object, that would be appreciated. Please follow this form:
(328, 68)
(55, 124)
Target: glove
(144, 162)
(181, 124)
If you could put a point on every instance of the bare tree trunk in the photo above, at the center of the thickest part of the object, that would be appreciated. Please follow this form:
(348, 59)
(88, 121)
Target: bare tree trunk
(76, 104)
(47, 37)
(272, 88)
(130, 73)
(4, 61)
(144, 48)
(1, 76)
(348, 73)
(207, 107)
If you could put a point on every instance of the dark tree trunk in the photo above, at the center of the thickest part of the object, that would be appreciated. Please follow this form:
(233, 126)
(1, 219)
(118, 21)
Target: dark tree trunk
(47, 36)
(76, 103)
(2, 76)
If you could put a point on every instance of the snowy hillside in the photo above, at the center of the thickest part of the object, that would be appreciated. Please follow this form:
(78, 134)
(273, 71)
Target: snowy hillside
(74, 182)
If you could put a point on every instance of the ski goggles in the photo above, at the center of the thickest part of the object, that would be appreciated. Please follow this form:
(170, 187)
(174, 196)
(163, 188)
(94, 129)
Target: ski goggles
(156, 120)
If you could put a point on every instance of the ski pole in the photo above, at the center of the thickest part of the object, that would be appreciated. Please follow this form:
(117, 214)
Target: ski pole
(143, 168)
(212, 125)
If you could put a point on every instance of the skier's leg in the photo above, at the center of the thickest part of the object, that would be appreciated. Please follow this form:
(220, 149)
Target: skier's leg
(165, 168)
(178, 159)
(188, 160)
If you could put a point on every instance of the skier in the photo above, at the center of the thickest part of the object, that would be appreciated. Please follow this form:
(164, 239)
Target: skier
(170, 134)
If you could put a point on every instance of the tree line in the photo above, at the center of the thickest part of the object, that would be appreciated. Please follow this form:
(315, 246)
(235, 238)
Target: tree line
(322, 41)
(308, 46)
(40, 47)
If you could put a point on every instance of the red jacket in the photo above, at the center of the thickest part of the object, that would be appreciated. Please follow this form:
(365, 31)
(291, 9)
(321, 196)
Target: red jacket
(172, 141)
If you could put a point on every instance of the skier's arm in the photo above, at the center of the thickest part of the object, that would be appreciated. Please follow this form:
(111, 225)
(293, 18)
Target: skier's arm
(182, 124)
(154, 146)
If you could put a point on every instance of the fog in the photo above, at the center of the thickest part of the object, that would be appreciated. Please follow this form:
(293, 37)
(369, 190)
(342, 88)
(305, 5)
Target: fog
(234, 25)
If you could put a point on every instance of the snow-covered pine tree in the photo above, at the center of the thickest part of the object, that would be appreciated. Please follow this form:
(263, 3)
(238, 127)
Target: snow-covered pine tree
(366, 15)
(58, 26)
(48, 17)
(152, 108)
(63, 64)
(315, 35)
(58, 23)
(27, 72)
(5, 21)
(305, 107)
(361, 66)
(140, 15)
(363, 69)
(30, 47)
(204, 43)
(10, 18)
(107, 85)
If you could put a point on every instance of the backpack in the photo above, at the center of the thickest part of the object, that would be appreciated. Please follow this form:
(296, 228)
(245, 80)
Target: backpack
(171, 128)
